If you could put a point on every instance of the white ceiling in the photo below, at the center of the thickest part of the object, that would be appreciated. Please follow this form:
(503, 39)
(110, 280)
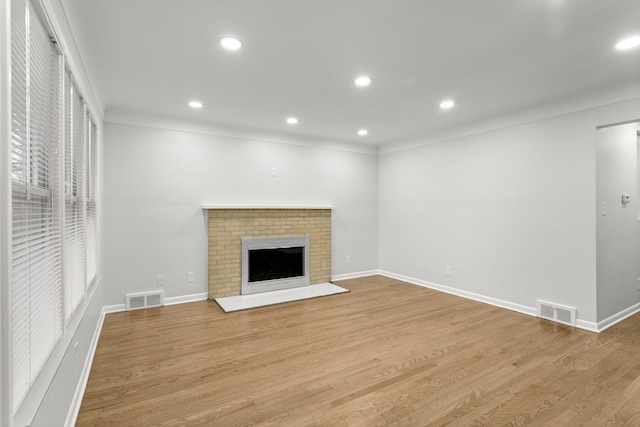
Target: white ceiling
(500, 60)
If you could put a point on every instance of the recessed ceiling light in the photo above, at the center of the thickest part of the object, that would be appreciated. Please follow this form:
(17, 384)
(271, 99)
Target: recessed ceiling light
(292, 120)
(628, 43)
(447, 104)
(363, 81)
(195, 104)
(230, 43)
(363, 132)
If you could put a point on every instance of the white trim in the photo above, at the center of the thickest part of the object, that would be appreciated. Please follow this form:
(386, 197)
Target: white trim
(116, 308)
(74, 408)
(616, 318)
(354, 275)
(6, 385)
(219, 206)
(128, 117)
(61, 28)
(588, 326)
(181, 299)
(531, 311)
(565, 107)
(186, 298)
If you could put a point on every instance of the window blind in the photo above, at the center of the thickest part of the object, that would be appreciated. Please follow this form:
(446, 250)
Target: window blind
(91, 202)
(35, 142)
(74, 244)
(54, 204)
(20, 304)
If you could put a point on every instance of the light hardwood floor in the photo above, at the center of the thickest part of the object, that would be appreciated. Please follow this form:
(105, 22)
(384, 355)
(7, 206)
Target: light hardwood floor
(386, 354)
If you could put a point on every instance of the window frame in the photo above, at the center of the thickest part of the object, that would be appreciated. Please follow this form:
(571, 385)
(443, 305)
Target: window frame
(34, 185)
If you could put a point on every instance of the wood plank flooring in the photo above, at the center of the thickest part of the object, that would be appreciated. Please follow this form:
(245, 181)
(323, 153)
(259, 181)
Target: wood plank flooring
(386, 354)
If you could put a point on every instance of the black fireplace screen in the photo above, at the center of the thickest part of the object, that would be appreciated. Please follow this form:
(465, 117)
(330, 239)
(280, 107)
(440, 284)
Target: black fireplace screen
(276, 263)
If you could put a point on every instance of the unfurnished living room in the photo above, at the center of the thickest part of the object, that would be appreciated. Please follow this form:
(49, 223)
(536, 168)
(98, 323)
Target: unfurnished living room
(320, 213)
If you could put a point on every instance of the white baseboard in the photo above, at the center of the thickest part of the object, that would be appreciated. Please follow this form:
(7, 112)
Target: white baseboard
(531, 311)
(354, 275)
(617, 318)
(116, 308)
(186, 298)
(581, 324)
(588, 326)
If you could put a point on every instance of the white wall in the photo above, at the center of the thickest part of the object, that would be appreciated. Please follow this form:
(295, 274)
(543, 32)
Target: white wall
(510, 210)
(618, 241)
(156, 181)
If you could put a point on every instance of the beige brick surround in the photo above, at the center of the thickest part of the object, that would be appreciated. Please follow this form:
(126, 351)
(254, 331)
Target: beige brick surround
(226, 228)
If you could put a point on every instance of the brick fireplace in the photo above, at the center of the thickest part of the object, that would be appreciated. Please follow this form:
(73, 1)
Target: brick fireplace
(227, 226)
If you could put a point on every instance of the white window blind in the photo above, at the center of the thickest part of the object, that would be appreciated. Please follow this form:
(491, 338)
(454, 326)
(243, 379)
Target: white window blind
(91, 202)
(35, 142)
(54, 202)
(74, 243)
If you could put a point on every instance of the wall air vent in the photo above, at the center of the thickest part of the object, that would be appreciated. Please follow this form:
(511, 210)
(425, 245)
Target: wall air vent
(144, 300)
(557, 313)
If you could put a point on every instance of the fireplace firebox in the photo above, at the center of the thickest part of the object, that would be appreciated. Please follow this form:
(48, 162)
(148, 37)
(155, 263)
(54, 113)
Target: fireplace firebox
(274, 263)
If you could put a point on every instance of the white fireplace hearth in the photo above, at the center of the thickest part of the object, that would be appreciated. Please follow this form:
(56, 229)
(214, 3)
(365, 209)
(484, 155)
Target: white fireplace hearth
(263, 299)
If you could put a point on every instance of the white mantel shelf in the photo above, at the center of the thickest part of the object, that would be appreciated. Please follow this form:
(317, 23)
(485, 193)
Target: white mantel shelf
(207, 206)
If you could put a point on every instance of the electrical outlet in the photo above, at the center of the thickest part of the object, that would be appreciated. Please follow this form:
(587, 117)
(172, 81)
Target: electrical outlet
(160, 280)
(423, 265)
(191, 276)
(448, 270)
(348, 259)
(638, 285)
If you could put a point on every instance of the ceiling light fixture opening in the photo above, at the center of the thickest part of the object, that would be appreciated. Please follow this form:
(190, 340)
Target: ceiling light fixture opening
(628, 43)
(230, 43)
(196, 104)
(292, 120)
(363, 132)
(363, 81)
(447, 104)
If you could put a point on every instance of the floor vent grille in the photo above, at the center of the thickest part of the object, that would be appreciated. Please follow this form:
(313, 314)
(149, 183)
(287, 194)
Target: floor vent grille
(557, 313)
(144, 300)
